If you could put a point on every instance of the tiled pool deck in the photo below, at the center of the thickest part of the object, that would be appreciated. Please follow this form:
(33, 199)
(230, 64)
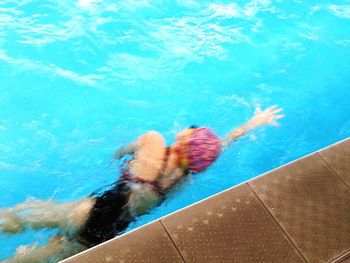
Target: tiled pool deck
(299, 212)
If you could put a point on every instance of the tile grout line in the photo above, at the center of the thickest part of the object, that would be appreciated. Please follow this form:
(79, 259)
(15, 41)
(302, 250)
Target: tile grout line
(341, 258)
(332, 170)
(172, 241)
(279, 224)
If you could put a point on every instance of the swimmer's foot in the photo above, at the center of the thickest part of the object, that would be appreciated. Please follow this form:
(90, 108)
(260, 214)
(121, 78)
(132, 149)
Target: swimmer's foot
(23, 254)
(9, 223)
(25, 250)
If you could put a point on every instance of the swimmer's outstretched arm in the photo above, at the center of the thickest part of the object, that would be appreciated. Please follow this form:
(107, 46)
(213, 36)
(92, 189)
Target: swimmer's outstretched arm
(260, 118)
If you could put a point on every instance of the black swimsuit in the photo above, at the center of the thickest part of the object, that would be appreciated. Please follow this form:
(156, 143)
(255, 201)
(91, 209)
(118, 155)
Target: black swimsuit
(108, 217)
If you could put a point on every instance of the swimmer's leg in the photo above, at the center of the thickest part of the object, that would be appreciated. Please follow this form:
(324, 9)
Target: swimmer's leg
(149, 157)
(57, 248)
(36, 214)
(9, 222)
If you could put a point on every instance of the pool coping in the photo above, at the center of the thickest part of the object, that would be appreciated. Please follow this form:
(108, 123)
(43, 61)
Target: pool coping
(295, 247)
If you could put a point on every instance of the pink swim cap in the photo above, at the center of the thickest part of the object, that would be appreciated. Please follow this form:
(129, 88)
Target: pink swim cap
(201, 150)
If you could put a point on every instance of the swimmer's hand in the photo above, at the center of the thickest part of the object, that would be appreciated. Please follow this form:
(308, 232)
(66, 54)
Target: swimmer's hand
(260, 118)
(127, 149)
(121, 152)
(266, 117)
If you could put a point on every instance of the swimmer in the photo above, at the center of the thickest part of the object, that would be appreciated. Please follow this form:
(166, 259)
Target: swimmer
(147, 177)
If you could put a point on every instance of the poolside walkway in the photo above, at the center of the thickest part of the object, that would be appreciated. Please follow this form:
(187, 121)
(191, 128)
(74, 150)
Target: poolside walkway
(299, 212)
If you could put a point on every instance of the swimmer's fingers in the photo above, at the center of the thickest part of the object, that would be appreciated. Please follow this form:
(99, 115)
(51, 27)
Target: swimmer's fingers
(257, 109)
(266, 117)
(273, 121)
(277, 117)
(274, 112)
(271, 109)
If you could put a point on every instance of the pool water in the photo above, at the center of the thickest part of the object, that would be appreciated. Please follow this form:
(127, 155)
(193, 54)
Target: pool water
(78, 79)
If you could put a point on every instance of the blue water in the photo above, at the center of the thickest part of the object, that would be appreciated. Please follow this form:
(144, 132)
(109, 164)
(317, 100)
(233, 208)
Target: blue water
(78, 79)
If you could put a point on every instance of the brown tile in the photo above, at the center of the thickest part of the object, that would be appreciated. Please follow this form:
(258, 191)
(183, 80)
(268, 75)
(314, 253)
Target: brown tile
(338, 158)
(231, 227)
(147, 244)
(311, 204)
(345, 261)
(343, 258)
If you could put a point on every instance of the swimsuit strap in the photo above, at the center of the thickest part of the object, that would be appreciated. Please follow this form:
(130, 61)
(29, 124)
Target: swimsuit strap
(165, 159)
(128, 177)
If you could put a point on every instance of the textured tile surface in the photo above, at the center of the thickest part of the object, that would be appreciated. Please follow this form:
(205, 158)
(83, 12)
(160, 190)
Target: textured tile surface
(311, 204)
(231, 227)
(147, 244)
(346, 260)
(338, 158)
(343, 259)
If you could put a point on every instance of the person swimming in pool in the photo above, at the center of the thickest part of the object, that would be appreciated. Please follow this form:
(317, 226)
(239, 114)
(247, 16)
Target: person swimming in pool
(147, 177)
